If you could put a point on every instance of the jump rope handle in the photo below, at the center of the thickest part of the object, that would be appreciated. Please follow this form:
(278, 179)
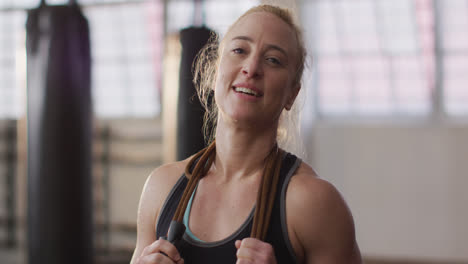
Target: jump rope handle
(176, 231)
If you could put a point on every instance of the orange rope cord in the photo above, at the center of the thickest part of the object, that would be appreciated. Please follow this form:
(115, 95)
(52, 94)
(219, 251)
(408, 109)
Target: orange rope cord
(266, 193)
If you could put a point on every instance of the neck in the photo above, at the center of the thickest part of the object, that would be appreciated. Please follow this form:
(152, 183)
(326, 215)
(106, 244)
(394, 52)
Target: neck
(241, 152)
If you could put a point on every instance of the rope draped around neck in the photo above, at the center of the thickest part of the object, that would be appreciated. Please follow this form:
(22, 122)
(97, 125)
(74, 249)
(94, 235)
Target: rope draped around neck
(265, 196)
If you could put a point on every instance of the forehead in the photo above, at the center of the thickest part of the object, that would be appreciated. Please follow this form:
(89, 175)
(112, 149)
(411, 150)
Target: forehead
(266, 27)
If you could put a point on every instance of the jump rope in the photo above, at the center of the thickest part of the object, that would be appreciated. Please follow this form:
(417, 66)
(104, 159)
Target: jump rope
(265, 196)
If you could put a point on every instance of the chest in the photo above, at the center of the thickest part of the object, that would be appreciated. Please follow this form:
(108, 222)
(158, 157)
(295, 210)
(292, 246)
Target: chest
(220, 210)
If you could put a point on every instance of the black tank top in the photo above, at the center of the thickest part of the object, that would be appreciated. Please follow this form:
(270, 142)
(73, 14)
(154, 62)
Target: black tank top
(224, 251)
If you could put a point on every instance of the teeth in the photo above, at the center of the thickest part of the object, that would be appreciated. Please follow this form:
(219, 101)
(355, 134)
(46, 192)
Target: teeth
(245, 90)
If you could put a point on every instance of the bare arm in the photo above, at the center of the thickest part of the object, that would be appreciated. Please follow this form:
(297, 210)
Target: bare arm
(320, 224)
(157, 187)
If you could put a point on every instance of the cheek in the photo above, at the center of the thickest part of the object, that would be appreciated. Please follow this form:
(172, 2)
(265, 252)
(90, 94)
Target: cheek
(283, 84)
(284, 92)
(222, 77)
(216, 83)
(219, 83)
(219, 90)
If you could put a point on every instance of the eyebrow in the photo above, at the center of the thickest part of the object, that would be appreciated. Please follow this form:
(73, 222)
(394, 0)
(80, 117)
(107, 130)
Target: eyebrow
(269, 46)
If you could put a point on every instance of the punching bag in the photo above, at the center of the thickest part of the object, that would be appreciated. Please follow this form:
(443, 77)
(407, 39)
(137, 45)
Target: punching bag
(189, 110)
(59, 136)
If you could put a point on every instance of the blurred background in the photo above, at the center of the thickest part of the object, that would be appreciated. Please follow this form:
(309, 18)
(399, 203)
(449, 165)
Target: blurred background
(384, 115)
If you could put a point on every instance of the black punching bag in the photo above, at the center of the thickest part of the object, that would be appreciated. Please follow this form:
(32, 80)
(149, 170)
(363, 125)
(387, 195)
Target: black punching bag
(189, 110)
(59, 136)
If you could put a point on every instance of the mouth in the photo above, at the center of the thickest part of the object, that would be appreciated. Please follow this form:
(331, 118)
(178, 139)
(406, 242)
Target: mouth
(247, 91)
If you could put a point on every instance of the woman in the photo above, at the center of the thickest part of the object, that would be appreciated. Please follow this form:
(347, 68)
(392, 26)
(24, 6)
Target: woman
(259, 66)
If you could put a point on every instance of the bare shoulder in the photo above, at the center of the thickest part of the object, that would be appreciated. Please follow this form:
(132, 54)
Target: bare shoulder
(157, 187)
(305, 185)
(320, 223)
(164, 177)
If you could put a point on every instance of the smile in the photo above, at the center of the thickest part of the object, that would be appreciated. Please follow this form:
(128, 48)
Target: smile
(246, 91)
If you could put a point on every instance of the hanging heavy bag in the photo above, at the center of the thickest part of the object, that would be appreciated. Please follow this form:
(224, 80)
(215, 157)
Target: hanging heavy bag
(59, 136)
(190, 112)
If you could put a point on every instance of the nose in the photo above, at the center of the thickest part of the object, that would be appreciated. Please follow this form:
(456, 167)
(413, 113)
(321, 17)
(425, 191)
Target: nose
(252, 67)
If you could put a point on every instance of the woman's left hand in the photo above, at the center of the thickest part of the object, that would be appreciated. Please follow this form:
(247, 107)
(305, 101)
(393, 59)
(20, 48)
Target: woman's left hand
(251, 250)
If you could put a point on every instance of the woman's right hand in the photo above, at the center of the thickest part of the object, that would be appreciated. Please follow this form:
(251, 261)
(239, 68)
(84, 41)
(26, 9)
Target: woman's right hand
(160, 252)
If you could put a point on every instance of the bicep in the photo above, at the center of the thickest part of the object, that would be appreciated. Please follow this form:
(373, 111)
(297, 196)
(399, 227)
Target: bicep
(322, 222)
(155, 191)
(146, 217)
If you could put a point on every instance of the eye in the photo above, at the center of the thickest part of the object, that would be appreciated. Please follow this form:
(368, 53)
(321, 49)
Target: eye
(238, 50)
(274, 60)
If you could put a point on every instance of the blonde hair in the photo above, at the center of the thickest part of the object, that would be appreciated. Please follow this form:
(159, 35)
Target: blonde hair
(205, 70)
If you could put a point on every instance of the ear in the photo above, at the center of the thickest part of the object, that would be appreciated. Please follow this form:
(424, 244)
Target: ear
(292, 97)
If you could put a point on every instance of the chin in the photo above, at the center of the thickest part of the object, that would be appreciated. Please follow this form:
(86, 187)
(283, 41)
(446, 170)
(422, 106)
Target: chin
(249, 121)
